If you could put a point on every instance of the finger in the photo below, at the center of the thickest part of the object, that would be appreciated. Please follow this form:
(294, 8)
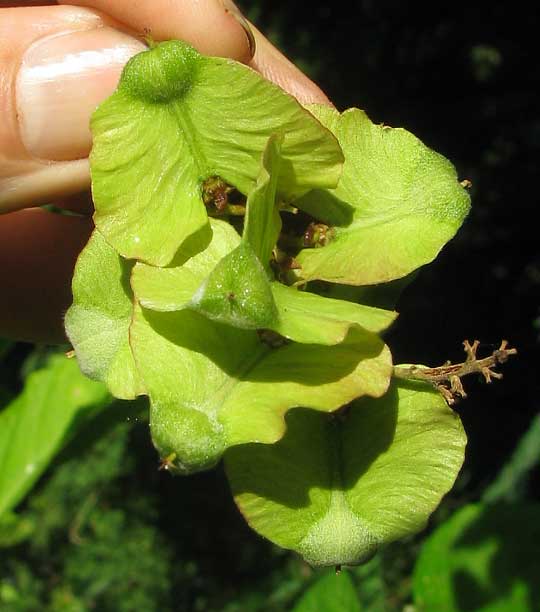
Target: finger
(202, 23)
(38, 251)
(213, 27)
(56, 64)
(274, 66)
(28, 3)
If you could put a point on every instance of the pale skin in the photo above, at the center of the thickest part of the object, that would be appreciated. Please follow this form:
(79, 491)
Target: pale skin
(57, 63)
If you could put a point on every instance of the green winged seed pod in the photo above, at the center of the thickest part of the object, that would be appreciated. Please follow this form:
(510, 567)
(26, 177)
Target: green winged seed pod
(337, 487)
(227, 281)
(211, 385)
(324, 454)
(179, 118)
(396, 205)
(98, 321)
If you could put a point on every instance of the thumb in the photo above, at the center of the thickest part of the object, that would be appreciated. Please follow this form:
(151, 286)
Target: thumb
(56, 65)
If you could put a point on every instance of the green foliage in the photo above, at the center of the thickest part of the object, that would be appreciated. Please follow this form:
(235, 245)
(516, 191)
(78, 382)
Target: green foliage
(56, 400)
(14, 529)
(88, 551)
(512, 479)
(484, 558)
(5, 345)
(331, 593)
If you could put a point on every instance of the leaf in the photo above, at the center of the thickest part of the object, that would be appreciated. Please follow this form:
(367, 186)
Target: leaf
(36, 424)
(335, 489)
(98, 321)
(371, 580)
(330, 593)
(5, 347)
(14, 529)
(512, 479)
(237, 292)
(213, 386)
(396, 205)
(160, 136)
(483, 558)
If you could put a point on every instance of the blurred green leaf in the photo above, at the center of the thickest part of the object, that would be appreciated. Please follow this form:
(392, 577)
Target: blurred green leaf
(14, 529)
(509, 484)
(485, 60)
(96, 533)
(38, 358)
(330, 593)
(483, 559)
(371, 584)
(37, 423)
(5, 346)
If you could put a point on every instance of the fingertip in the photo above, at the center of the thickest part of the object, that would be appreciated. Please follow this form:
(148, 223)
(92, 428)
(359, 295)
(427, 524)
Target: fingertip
(275, 67)
(234, 11)
(213, 27)
(57, 64)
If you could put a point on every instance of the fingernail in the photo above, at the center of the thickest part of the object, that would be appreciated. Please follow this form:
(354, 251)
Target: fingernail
(61, 80)
(233, 10)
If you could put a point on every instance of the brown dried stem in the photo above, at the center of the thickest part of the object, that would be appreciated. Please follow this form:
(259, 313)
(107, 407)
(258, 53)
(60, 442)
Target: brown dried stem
(447, 378)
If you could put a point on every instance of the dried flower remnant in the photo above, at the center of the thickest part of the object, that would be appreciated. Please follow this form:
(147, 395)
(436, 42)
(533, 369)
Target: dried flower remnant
(220, 198)
(447, 378)
(317, 235)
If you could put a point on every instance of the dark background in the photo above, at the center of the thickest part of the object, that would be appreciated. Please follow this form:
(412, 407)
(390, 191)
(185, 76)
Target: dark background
(464, 79)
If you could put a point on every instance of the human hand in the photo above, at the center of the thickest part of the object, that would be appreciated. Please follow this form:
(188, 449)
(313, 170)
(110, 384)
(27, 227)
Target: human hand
(57, 63)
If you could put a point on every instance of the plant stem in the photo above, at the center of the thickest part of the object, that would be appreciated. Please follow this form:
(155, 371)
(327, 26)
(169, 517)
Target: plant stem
(447, 378)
